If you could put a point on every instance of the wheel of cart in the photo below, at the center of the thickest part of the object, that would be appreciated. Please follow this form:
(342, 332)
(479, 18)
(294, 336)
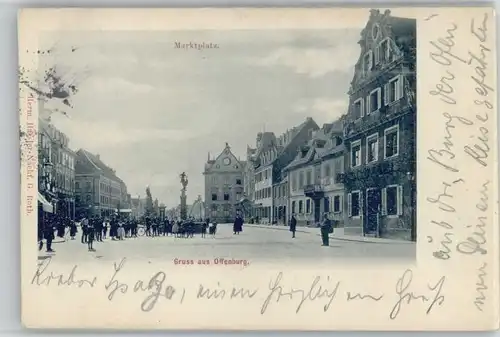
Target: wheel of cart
(141, 231)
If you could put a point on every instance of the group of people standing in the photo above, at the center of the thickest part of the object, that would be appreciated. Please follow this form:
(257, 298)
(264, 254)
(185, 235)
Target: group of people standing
(325, 226)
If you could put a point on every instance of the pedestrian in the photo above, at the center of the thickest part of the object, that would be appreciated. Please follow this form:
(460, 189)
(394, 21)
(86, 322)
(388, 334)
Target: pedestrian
(49, 236)
(97, 224)
(85, 229)
(175, 228)
(238, 224)
(204, 227)
(104, 228)
(326, 227)
(91, 235)
(72, 230)
(293, 225)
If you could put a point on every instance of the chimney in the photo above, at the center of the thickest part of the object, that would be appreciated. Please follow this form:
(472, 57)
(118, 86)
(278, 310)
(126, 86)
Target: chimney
(98, 156)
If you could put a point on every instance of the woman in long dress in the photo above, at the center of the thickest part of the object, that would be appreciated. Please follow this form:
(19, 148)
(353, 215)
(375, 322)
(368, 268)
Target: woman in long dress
(175, 229)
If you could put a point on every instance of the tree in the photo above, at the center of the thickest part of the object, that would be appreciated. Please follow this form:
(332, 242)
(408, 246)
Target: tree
(149, 203)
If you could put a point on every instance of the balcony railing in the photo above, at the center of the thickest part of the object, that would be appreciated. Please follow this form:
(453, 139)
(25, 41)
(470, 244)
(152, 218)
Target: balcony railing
(313, 188)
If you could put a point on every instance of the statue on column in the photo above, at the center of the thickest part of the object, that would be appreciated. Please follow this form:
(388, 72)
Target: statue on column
(184, 180)
(184, 183)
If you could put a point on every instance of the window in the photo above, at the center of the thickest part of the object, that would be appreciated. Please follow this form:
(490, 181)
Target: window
(293, 207)
(301, 179)
(354, 203)
(391, 136)
(226, 196)
(308, 177)
(358, 108)
(373, 101)
(89, 198)
(326, 204)
(214, 180)
(336, 204)
(372, 148)
(392, 200)
(393, 91)
(88, 185)
(77, 185)
(294, 181)
(301, 206)
(356, 153)
(384, 51)
(327, 170)
(308, 206)
(214, 197)
(238, 181)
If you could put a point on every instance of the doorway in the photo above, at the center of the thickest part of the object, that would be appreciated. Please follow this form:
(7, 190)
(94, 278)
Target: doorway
(373, 199)
(317, 211)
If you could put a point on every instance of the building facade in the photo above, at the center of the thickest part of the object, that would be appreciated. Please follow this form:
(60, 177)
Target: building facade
(99, 191)
(280, 201)
(314, 187)
(57, 170)
(223, 186)
(380, 131)
(269, 163)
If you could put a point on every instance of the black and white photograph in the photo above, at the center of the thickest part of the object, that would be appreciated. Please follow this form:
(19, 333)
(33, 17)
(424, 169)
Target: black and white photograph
(185, 158)
(283, 144)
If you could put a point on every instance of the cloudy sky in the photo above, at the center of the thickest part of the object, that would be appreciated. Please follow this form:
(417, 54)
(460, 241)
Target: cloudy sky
(152, 111)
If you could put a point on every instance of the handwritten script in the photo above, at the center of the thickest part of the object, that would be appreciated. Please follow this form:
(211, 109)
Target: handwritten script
(323, 292)
(465, 144)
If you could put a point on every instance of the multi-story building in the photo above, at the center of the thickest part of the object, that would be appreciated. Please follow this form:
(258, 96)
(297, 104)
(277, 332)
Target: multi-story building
(312, 176)
(223, 186)
(380, 131)
(99, 191)
(269, 163)
(253, 204)
(57, 174)
(280, 201)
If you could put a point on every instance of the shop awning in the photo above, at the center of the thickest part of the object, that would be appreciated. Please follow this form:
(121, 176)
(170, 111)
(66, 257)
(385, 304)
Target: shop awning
(47, 206)
(126, 211)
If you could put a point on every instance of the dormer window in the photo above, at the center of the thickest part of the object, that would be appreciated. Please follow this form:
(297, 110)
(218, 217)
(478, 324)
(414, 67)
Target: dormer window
(385, 51)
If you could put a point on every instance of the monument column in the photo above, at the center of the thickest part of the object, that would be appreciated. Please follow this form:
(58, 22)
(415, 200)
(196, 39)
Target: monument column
(184, 183)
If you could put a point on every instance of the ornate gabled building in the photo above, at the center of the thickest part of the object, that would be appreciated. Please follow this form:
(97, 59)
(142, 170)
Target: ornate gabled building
(268, 163)
(223, 186)
(380, 131)
(312, 176)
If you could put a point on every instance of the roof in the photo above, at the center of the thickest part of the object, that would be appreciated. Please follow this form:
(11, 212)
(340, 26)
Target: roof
(98, 164)
(328, 132)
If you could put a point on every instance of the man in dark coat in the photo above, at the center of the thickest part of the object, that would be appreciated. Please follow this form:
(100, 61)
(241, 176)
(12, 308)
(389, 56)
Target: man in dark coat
(85, 229)
(49, 235)
(238, 225)
(293, 225)
(325, 230)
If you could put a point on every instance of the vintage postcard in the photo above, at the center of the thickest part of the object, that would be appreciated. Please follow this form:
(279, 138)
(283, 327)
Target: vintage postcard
(259, 169)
